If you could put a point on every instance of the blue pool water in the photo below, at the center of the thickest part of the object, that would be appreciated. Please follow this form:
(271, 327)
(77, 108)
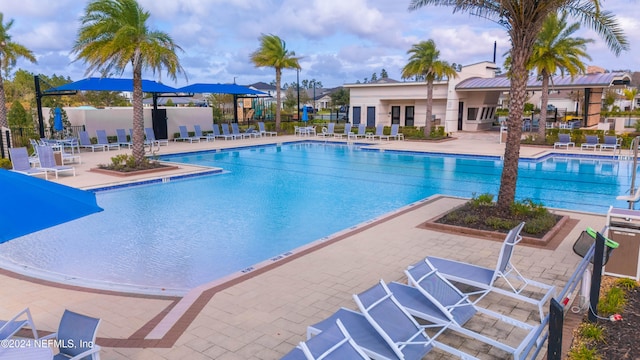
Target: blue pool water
(273, 199)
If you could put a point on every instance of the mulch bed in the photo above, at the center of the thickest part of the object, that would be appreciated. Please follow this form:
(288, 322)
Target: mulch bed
(622, 336)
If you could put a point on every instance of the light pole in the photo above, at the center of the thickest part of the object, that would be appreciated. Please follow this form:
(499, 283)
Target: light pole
(298, 86)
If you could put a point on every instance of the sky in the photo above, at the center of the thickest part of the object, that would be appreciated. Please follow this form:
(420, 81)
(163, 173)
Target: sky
(339, 41)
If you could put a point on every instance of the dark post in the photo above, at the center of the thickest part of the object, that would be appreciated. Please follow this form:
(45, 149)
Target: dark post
(596, 277)
(298, 82)
(495, 48)
(556, 321)
(235, 108)
(36, 80)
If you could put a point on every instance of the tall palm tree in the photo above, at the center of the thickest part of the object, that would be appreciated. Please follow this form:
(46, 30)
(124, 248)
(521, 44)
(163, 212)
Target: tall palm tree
(9, 53)
(273, 53)
(424, 62)
(523, 21)
(630, 94)
(115, 34)
(556, 49)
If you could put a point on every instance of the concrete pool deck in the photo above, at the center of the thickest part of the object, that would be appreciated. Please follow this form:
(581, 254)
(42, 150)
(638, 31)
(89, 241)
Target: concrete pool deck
(266, 314)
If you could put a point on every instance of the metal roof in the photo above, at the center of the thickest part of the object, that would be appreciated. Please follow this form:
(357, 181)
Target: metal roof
(588, 80)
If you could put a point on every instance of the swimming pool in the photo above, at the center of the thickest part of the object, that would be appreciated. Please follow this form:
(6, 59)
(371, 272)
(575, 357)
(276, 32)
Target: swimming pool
(272, 199)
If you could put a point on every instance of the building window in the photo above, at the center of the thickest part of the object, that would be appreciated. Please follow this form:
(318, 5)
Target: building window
(472, 113)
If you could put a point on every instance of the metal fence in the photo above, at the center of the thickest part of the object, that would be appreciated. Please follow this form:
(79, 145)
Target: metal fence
(20, 135)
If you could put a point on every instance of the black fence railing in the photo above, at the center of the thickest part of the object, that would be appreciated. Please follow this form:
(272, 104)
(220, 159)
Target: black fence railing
(20, 135)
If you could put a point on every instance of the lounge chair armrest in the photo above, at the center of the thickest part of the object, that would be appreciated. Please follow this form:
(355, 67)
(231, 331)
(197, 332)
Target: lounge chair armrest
(50, 336)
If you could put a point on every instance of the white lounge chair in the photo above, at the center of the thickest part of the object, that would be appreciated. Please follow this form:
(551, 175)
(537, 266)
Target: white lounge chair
(21, 164)
(385, 330)
(395, 132)
(48, 162)
(334, 343)
(611, 142)
(564, 140)
(10, 327)
(380, 133)
(184, 135)
(327, 131)
(432, 298)
(347, 132)
(122, 138)
(262, 130)
(151, 137)
(592, 142)
(486, 278)
(236, 132)
(85, 142)
(78, 332)
(198, 131)
(103, 140)
(362, 131)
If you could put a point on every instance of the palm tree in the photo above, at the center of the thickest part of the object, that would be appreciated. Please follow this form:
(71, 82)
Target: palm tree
(114, 34)
(523, 21)
(630, 94)
(9, 54)
(424, 62)
(273, 52)
(554, 50)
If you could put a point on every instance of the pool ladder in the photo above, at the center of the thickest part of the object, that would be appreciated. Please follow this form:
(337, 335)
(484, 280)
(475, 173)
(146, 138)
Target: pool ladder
(632, 198)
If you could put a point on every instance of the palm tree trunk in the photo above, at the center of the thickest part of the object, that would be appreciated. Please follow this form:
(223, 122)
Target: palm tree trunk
(138, 115)
(278, 112)
(3, 105)
(519, 77)
(544, 100)
(427, 125)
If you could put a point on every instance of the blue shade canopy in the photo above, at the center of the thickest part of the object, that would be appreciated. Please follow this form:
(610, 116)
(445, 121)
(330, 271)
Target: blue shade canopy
(107, 84)
(29, 204)
(220, 89)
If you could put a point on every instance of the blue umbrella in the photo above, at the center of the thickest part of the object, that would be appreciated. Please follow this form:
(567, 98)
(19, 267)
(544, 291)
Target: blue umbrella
(305, 115)
(30, 204)
(57, 120)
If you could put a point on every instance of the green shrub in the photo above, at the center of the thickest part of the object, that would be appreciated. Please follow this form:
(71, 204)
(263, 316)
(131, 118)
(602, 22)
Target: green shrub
(481, 200)
(540, 224)
(592, 332)
(626, 283)
(5, 164)
(583, 352)
(500, 223)
(612, 302)
(527, 207)
(471, 219)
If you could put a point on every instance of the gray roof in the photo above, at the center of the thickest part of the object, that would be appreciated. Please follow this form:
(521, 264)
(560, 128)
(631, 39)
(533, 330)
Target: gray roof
(588, 80)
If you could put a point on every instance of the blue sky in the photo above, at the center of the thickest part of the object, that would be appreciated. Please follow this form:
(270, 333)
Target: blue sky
(340, 41)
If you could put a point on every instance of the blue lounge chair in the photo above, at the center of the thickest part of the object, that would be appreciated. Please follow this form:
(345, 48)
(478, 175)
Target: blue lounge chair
(380, 133)
(103, 140)
(122, 138)
(85, 142)
(184, 135)
(334, 343)
(564, 140)
(236, 132)
(347, 132)
(217, 134)
(198, 131)
(48, 162)
(384, 329)
(327, 131)
(262, 130)
(21, 164)
(591, 143)
(226, 133)
(611, 142)
(362, 131)
(395, 132)
(10, 327)
(151, 137)
(486, 278)
(78, 332)
(432, 298)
